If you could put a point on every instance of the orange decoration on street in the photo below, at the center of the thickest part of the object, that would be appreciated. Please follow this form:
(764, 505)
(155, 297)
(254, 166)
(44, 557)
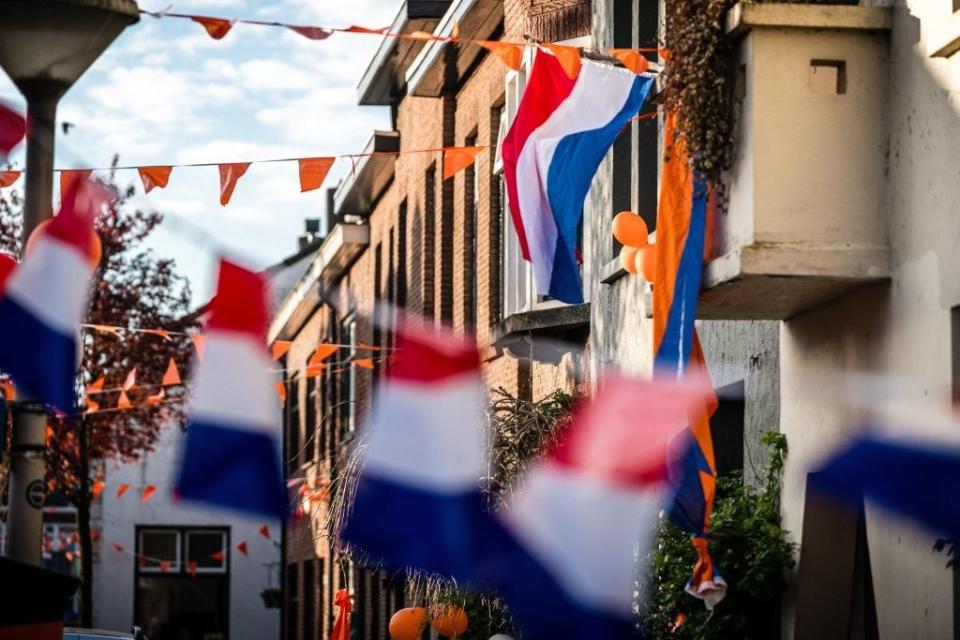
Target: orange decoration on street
(171, 376)
(123, 402)
(364, 363)
(229, 174)
(154, 177)
(67, 176)
(216, 28)
(568, 57)
(118, 548)
(313, 171)
(280, 348)
(264, 530)
(148, 492)
(281, 391)
(97, 489)
(7, 178)
(510, 54)
(632, 59)
(131, 380)
(122, 489)
(321, 353)
(242, 547)
(456, 159)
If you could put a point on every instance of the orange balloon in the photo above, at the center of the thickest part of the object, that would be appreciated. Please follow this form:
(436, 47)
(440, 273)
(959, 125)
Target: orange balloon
(645, 262)
(96, 247)
(451, 622)
(629, 229)
(628, 256)
(408, 624)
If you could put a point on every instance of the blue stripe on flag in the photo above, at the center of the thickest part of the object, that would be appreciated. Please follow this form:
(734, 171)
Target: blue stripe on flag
(674, 353)
(571, 171)
(41, 360)
(234, 468)
(687, 508)
(401, 527)
(541, 607)
(917, 481)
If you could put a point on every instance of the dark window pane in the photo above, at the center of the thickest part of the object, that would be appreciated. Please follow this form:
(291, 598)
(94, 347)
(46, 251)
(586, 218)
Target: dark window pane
(183, 608)
(157, 546)
(202, 546)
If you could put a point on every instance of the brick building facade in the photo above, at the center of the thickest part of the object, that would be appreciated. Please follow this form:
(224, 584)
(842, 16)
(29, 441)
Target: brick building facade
(401, 237)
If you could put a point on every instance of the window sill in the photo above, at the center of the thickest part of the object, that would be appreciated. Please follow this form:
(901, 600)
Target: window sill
(563, 328)
(612, 271)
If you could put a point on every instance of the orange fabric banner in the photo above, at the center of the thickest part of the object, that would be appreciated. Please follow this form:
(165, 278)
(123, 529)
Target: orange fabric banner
(154, 177)
(229, 174)
(148, 492)
(364, 363)
(123, 402)
(242, 547)
(122, 489)
(313, 171)
(171, 376)
(216, 28)
(264, 530)
(631, 59)
(510, 54)
(281, 391)
(568, 57)
(456, 159)
(280, 348)
(7, 178)
(321, 353)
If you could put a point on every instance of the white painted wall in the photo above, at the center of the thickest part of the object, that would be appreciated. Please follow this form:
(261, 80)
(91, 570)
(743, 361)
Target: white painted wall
(118, 519)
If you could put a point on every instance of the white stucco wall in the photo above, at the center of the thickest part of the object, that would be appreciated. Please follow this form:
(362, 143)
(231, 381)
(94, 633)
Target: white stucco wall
(118, 519)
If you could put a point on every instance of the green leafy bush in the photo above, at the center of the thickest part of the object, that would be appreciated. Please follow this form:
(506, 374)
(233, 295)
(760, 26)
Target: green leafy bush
(751, 551)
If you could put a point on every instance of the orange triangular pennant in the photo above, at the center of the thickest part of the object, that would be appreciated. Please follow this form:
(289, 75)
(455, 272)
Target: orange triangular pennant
(131, 380)
(154, 177)
(67, 176)
(313, 171)
(217, 555)
(568, 57)
(118, 548)
(631, 59)
(163, 333)
(156, 398)
(96, 386)
(281, 391)
(456, 159)
(322, 352)
(92, 407)
(9, 392)
(7, 178)
(172, 376)
(122, 489)
(97, 489)
(142, 560)
(148, 492)
(364, 363)
(229, 174)
(510, 54)
(314, 370)
(123, 402)
(242, 547)
(217, 28)
(264, 530)
(192, 568)
(280, 348)
(199, 342)
(314, 33)
(104, 328)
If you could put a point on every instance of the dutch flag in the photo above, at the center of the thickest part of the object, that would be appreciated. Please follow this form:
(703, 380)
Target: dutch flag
(418, 502)
(562, 131)
(566, 554)
(232, 455)
(46, 299)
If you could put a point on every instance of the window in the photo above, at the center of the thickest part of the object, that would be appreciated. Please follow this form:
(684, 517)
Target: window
(401, 295)
(349, 383)
(309, 600)
(292, 601)
(726, 427)
(182, 583)
(310, 423)
(292, 407)
(471, 194)
(429, 239)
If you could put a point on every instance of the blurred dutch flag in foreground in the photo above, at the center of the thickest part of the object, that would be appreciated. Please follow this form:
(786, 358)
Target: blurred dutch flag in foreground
(917, 478)
(46, 297)
(232, 454)
(586, 515)
(418, 502)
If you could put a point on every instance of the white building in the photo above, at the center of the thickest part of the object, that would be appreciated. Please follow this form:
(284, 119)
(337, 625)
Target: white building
(150, 581)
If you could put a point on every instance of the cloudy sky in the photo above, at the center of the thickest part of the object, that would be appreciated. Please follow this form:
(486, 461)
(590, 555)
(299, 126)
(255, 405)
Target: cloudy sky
(166, 93)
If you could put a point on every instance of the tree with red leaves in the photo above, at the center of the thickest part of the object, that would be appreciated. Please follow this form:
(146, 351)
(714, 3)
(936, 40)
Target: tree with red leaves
(135, 288)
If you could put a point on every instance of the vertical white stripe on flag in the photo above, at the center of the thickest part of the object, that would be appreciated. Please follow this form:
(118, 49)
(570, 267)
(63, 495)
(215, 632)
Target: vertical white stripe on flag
(53, 284)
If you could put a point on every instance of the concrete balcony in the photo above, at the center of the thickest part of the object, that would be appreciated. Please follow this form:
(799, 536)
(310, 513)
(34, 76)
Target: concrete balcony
(806, 218)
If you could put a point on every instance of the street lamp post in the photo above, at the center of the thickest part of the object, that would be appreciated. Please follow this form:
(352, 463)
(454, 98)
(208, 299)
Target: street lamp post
(45, 46)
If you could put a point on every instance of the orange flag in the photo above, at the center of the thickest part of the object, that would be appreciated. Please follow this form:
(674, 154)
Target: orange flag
(7, 178)
(242, 547)
(105, 328)
(122, 489)
(229, 174)
(568, 57)
(96, 386)
(217, 555)
(118, 548)
(510, 54)
(172, 376)
(97, 489)
(322, 352)
(280, 348)
(164, 566)
(217, 28)
(631, 59)
(364, 363)
(148, 492)
(156, 398)
(92, 407)
(153, 177)
(199, 342)
(313, 171)
(123, 402)
(67, 176)
(456, 159)
(264, 530)
(281, 391)
(314, 370)
(314, 33)
(192, 568)
(131, 380)
(142, 560)
(8, 390)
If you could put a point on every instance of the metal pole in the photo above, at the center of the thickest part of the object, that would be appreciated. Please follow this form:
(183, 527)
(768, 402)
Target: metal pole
(27, 482)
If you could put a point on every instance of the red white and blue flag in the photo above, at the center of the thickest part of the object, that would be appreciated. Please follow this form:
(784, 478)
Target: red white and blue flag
(46, 298)
(232, 452)
(418, 502)
(561, 132)
(585, 517)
